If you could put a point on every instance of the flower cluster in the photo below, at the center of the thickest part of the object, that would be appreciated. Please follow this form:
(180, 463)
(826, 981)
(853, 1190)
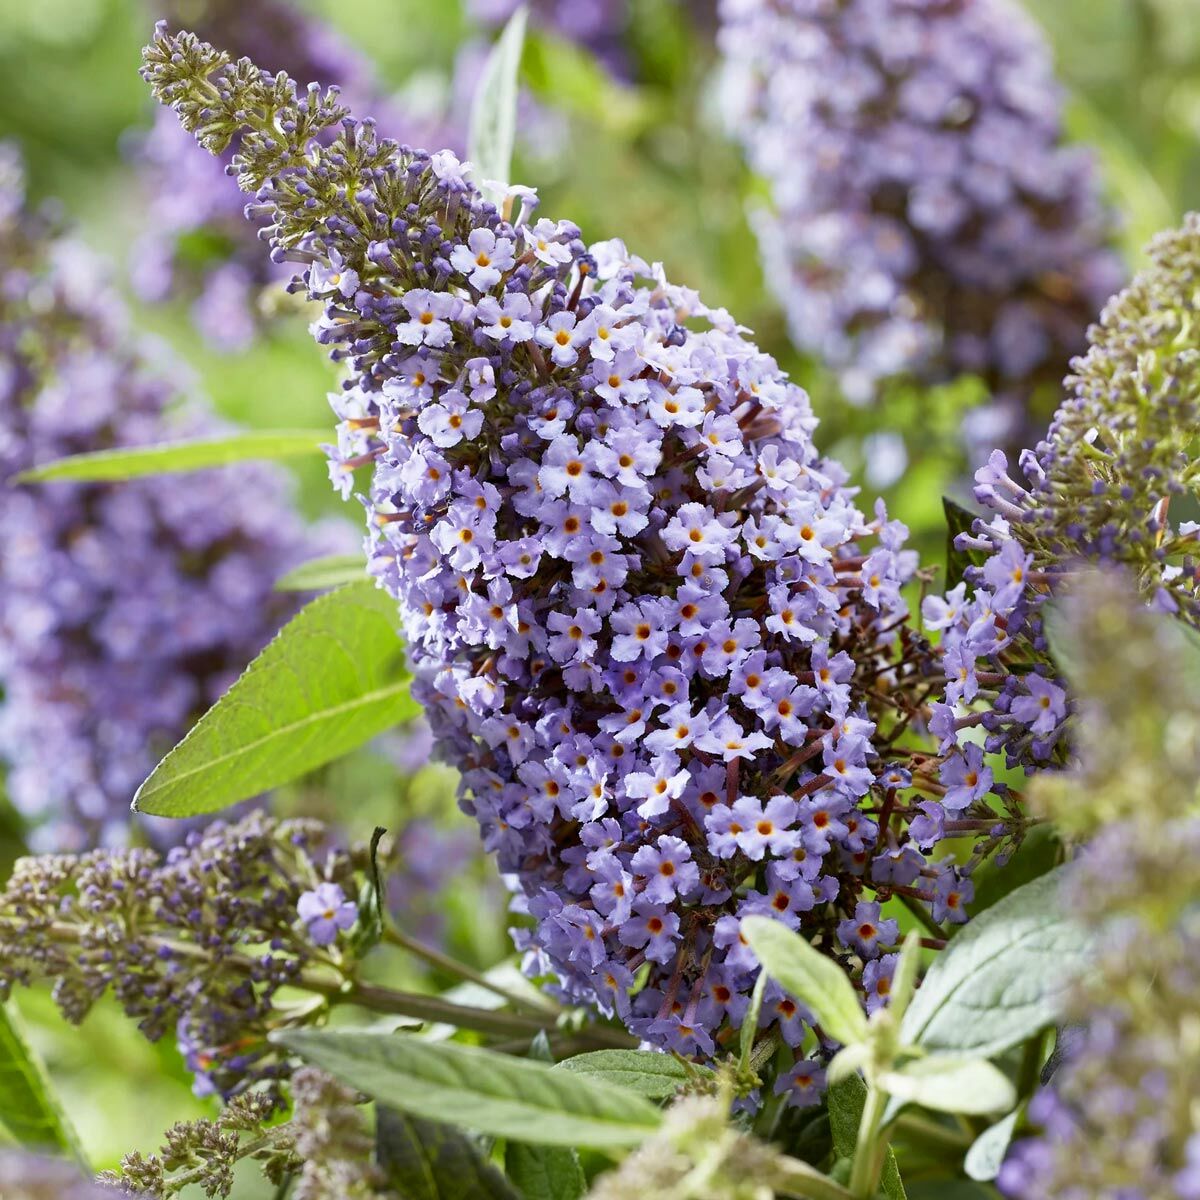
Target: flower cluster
(598, 25)
(125, 609)
(205, 1152)
(195, 943)
(197, 243)
(647, 620)
(1119, 453)
(334, 1142)
(927, 218)
(1119, 1116)
(699, 1152)
(25, 1176)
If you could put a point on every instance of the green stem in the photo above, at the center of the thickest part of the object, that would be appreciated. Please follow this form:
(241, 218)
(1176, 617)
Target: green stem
(791, 1177)
(868, 1150)
(921, 1129)
(444, 962)
(923, 915)
(418, 1005)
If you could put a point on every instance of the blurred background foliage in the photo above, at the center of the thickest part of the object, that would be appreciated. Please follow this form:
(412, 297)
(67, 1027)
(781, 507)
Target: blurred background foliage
(645, 160)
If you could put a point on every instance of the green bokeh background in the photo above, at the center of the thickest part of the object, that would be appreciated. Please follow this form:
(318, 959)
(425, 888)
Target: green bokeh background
(647, 163)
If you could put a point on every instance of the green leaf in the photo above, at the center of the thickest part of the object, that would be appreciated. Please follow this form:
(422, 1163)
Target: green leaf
(1004, 976)
(29, 1108)
(988, 1150)
(750, 1022)
(958, 520)
(565, 75)
(948, 1083)
(332, 679)
(844, 1102)
(904, 981)
(423, 1160)
(815, 980)
(646, 1072)
(545, 1172)
(1040, 852)
(319, 574)
(492, 1093)
(494, 107)
(165, 458)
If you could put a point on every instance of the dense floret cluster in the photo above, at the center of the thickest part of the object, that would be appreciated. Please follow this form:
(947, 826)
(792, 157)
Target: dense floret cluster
(1118, 1118)
(1121, 452)
(927, 218)
(195, 942)
(28, 1176)
(647, 620)
(125, 609)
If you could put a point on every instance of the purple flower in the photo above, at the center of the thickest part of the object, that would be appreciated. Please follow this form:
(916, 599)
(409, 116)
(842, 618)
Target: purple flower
(802, 1084)
(1044, 708)
(666, 868)
(965, 777)
(326, 912)
(952, 892)
(484, 259)
(865, 932)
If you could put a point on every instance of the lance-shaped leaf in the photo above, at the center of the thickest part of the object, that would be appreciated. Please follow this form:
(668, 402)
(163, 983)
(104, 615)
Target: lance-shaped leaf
(990, 1148)
(844, 1102)
(947, 1083)
(423, 1160)
(320, 574)
(29, 1109)
(545, 1172)
(479, 1089)
(332, 679)
(1004, 976)
(166, 458)
(646, 1072)
(494, 107)
(815, 980)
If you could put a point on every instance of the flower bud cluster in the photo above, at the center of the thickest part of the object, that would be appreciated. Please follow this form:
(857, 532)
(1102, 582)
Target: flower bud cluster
(126, 608)
(1114, 482)
(204, 1153)
(197, 244)
(195, 943)
(927, 219)
(1119, 1116)
(647, 620)
(26, 1176)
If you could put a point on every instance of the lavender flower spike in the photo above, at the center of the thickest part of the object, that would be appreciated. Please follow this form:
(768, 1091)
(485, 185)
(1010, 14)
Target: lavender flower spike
(125, 609)
(927, 218)
(646, 618)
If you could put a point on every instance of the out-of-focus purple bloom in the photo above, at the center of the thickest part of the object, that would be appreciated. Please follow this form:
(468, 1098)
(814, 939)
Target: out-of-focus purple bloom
(125, 609)
(927, 218)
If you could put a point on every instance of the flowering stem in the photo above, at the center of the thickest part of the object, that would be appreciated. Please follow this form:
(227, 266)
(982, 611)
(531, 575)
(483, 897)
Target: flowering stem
(444, 962)
(923, 915)
(870, 1147)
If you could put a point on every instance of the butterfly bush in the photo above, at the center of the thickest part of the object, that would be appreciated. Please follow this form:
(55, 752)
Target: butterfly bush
(1118, 1117)
(197, 244)
(28, 1176)
(1119, 455)
(194, 942)
(125, 609)
(927, 218)
(647, 620)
